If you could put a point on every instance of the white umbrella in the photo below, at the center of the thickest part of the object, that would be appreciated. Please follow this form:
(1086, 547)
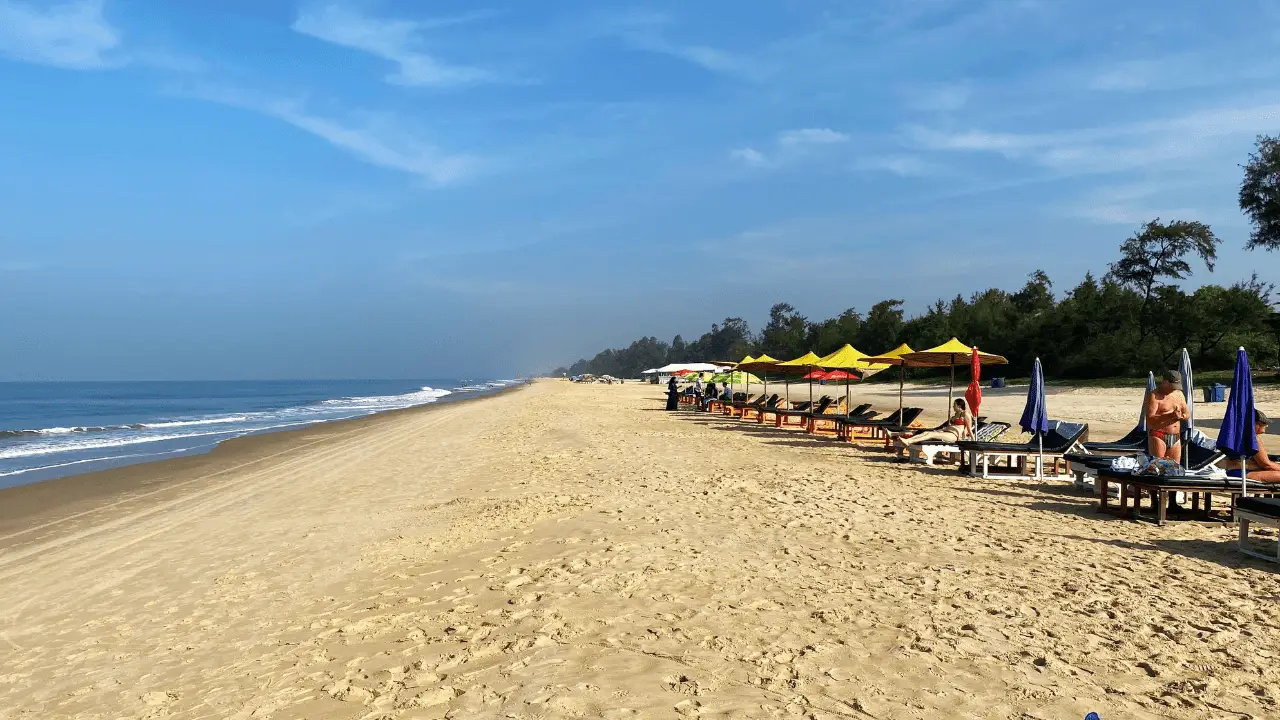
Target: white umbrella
(1188, 390)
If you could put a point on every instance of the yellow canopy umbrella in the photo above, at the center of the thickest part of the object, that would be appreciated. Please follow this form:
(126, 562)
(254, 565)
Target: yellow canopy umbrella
(762, 363)
(894, 357)
(949, 354)
(849, 359)
(800, 365)
(744, 361)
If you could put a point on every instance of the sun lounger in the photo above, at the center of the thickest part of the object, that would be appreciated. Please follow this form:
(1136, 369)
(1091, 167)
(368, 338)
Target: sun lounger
(756, 410)
(1022, 459)
(1160, 487)
(928, 452)
(799, 416)
(876, 429)
(1259, 510)
(1086, 465)
(1135, 441)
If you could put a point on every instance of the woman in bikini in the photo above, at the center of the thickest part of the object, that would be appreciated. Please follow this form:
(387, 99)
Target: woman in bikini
(1166, 409)
(959, 427)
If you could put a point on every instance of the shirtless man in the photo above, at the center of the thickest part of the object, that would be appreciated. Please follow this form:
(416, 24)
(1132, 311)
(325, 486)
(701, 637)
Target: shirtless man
(1261, 467)
(1166, 409)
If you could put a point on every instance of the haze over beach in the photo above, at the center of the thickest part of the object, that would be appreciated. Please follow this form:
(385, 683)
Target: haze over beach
(292, 292)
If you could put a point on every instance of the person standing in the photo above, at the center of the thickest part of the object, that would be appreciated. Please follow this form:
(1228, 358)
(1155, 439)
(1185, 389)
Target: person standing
(1166, 409)
(673, 394)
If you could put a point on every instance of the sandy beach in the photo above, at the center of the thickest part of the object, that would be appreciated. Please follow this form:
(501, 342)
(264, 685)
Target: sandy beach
(573, 551)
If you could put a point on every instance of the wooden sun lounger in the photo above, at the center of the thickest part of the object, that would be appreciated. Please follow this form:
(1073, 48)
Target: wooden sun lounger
(1133, 486)
(928, 452)
(1022, 460)
(879, 428)
(1085, 466)
(798, 417)
(1257, 510)
(1134, 441)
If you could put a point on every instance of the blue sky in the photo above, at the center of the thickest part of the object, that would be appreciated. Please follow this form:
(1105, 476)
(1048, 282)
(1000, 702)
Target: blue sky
(252, 188)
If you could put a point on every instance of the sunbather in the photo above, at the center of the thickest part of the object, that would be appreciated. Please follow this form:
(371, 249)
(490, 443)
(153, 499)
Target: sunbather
(1261, 467)
(959, 427)
(1166, 409)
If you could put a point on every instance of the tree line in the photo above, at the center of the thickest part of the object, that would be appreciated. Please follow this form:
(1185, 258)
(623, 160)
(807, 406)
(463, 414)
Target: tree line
(1134, 318)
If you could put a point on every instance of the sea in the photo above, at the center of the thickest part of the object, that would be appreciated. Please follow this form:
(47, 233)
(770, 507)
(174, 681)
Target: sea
(54, 429)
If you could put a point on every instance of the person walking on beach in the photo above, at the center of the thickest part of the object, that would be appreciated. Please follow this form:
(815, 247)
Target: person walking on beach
(1166, 409)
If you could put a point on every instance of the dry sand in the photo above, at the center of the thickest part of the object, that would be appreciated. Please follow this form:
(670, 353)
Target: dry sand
(572, 551)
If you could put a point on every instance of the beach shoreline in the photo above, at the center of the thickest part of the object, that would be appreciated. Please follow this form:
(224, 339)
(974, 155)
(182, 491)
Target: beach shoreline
(576, 551)
(43, 502)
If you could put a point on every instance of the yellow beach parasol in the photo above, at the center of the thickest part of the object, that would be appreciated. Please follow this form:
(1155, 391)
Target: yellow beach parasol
(950, 354)
(894, 357)
(799, 366)
(762, 364)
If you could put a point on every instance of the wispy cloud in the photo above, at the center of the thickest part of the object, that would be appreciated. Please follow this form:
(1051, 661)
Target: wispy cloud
(790, 145)
(378, 140)
(947, 97)
(398, 41)
(900, 165)
(1111, 148)
(647, 31)
(71, 35)
(750, 157)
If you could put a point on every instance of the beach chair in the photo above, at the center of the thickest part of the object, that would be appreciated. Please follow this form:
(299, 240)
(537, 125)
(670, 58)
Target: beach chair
(799, 415)
(735, 408)
(1257, 510)
(1023, 460)
(880, 429)
(1160, 487)
(756, 410)
(826, 421)
(1134, 441)
(928, 452)
(1085, 466)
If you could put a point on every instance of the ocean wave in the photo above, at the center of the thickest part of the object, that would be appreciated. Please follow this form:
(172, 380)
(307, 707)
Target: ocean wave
(39, 448)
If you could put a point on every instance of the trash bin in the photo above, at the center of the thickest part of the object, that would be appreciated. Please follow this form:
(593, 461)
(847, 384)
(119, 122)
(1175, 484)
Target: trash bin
(1218, 392)
(997, 382)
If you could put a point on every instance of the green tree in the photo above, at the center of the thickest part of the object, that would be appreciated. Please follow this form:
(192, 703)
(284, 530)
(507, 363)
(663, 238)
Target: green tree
(1157, 255)
(883, 327)
(1260, 194)
(784, 336)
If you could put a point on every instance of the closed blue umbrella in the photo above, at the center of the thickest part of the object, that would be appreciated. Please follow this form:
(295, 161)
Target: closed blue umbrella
(1142, 414)
(1188, 391)
(1238, 436)
(1035, 419)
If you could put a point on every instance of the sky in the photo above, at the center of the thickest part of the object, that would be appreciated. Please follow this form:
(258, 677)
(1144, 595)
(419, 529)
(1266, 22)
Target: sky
(261, 189)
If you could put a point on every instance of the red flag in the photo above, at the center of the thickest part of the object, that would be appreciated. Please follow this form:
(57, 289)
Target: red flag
(974, 394)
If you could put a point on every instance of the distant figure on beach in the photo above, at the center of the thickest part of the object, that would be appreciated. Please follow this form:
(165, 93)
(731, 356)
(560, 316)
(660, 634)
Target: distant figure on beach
(697, 388)
(1166, 409)
(673, 394)
(711, 395)
(1261, 467)
(959, 427)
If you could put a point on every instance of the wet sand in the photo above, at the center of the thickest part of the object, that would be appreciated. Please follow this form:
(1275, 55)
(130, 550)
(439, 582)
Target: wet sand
(573, 551)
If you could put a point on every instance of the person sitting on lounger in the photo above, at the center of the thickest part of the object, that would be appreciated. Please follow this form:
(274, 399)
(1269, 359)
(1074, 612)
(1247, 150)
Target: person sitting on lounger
(1261, 467)
(959, 427)
(1166, 409)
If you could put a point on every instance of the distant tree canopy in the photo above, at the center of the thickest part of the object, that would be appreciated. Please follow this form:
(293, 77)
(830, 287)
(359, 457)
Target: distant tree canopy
(1260, 194)
(1133, 320)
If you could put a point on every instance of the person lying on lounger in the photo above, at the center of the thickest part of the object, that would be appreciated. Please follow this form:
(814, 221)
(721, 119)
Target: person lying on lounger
(1261, 467)
(1166, 409)
(959, 427)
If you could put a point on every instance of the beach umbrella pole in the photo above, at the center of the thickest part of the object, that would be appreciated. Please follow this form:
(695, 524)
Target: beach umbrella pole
(902, 380)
